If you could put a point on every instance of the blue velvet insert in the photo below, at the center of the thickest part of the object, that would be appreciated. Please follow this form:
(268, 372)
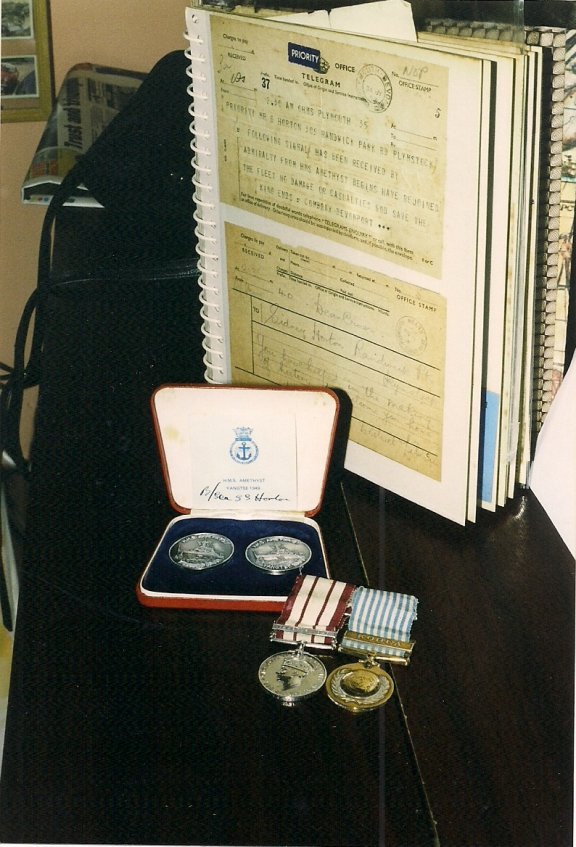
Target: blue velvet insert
(236, 576)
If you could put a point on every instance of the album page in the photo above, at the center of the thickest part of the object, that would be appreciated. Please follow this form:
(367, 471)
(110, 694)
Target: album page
(352, 235)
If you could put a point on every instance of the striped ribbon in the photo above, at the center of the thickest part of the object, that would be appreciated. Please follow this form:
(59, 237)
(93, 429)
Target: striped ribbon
(380, 623)
(313, 612)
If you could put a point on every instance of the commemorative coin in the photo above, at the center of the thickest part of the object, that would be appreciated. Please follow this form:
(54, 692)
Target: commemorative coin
(292, 676)
(278, 554)
(201, 551)
(359, 687)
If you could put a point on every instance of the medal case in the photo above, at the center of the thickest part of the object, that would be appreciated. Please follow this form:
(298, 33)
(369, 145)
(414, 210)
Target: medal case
(245, 471)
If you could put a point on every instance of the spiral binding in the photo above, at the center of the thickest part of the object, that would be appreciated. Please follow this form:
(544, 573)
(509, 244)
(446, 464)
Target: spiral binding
(206, 212)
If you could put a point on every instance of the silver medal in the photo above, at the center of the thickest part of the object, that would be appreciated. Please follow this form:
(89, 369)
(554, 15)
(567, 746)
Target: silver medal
(292, 676)
(278, 554)
(201, 551)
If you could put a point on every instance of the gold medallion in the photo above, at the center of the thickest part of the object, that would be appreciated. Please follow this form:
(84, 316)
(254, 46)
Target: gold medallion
(360, 687)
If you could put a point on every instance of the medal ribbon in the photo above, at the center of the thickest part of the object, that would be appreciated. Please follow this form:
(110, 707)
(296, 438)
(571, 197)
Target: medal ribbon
(313, 613)
(380, 624)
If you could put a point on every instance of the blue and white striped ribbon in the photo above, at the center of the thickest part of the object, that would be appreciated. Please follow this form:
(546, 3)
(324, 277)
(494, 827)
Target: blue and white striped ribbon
(377, 618)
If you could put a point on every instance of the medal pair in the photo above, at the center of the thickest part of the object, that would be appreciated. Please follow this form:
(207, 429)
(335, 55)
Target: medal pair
(379, 625)
(275, 554)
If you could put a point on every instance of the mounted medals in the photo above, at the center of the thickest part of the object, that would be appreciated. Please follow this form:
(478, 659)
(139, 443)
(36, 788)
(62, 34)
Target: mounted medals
(378, 630)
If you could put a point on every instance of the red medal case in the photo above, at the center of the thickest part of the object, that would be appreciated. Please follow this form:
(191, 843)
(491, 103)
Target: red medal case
(245, 468)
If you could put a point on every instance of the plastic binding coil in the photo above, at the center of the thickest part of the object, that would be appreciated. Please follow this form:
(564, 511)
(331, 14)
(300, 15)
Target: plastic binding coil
(205, 214)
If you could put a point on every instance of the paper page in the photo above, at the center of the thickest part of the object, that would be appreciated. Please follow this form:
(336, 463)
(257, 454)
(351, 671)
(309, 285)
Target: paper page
(346, 148)
(507, 131)
(386, 19)
(536, 216)
(360, 159)
(250, 464)
(388, 353)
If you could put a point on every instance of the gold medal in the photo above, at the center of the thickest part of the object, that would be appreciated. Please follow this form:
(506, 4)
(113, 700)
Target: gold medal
(360, 687)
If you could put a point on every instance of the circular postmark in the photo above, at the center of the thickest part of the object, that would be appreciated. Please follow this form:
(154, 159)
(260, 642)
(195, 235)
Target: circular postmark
(201, 551)
(374, 86)
(277, 554)
(411, 336)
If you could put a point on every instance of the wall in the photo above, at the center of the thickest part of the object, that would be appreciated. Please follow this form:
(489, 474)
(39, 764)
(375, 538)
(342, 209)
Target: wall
(123, 33)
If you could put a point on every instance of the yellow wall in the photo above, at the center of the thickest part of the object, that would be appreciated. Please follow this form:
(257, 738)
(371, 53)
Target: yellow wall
(124, 33)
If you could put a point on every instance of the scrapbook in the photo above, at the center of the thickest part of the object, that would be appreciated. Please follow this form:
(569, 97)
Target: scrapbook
(340, 224)
(369, 217)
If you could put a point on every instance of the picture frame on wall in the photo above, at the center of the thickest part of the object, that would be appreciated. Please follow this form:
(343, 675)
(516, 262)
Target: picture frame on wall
(27, 92)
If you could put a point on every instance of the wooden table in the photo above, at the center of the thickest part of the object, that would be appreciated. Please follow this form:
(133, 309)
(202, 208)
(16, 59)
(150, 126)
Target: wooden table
(134, 725)
(489, 695)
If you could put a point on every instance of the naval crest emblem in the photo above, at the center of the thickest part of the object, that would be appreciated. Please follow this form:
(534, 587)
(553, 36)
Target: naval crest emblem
(244, 449)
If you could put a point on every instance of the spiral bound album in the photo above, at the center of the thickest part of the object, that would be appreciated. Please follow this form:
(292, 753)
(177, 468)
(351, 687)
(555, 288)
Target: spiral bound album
(355, 231)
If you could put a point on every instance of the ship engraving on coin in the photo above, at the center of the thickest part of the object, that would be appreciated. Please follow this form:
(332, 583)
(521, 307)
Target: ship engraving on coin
(359, 687)
(278, 554)
(292, 676)
(201, 551)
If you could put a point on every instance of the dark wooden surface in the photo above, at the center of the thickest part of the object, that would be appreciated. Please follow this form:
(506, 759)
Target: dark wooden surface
(129, 725)
(132, 725)
(489, 694)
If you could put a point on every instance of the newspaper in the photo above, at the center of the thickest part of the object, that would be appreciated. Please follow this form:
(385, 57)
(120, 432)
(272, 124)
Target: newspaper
(89, 98)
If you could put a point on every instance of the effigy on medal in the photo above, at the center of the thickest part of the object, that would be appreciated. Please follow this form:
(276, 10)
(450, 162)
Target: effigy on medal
(292, 675)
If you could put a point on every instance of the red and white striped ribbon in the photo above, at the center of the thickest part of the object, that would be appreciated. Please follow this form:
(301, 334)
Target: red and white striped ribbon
(314, 612)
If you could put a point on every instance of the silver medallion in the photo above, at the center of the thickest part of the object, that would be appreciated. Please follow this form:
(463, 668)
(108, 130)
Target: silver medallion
(360, 687)
(201, 551)
(292, 676)
(278, 554)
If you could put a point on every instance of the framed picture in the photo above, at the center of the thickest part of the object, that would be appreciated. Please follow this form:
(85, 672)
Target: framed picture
(26, 86)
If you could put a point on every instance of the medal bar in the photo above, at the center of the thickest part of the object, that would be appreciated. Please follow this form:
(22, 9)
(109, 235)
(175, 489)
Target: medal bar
(398, 652)
(328, 633)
